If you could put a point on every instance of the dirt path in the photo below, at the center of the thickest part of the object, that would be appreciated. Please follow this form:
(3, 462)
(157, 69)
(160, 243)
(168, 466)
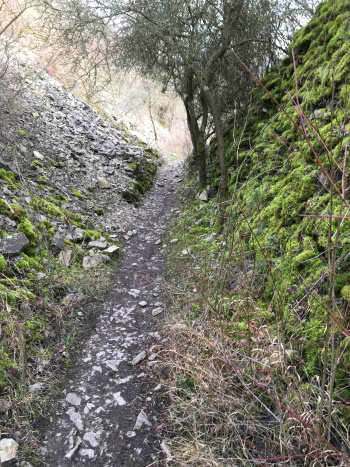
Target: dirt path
(109, 415)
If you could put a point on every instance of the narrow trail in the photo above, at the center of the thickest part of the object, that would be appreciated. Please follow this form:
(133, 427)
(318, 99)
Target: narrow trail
(109, 415)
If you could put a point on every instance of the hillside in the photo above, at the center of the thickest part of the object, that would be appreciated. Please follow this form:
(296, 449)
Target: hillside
(262, 352)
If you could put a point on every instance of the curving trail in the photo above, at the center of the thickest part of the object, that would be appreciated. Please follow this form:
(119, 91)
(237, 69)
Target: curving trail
(110, 412)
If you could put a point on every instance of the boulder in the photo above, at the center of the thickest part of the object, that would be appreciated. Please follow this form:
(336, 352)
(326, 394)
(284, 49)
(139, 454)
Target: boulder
(112, 250)
(13, 244)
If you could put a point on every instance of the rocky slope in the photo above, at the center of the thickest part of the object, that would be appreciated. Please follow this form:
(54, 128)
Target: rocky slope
(70, 181)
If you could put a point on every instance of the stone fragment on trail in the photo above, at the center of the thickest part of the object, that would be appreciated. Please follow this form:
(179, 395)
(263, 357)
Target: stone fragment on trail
(89, 453)
(102, 183)
(119, 399)
(70, 454)
(143, 304)
(157, 311)
(139, 358)
(141, 420)
(73, 399)
(91, 439)
(8, 450)
(131, 434)
(13, 244)
(75, 417)
(158, 242)
(134, 293)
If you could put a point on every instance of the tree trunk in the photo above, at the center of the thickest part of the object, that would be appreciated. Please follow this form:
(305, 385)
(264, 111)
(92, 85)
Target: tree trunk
(223, 189)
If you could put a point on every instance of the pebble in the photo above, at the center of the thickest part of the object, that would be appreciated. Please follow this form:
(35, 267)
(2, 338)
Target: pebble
(143, 304)
(73, 399)
(139, 358)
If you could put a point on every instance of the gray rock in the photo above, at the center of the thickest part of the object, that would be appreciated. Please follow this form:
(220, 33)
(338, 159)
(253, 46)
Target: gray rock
(8, 450)
(203, 196)
(73, 451)
(38, 155)
(65, 257)
(112, 250)
(58, 240)
(157, 311)
(13, 244)
(139, 358)
(90, 262)
(143, 304)
(97, 244)
(141, 420)
(76, 236)
(211, 237)
(75, 417)
(73, 399)
(37, 388)
(7, 224)
(5, 405)
(102, 183)
(91, 439)
(89, 453)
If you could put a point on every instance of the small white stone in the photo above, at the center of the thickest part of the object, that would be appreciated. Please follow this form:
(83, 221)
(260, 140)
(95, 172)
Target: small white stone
(141, 420)
(157, 311)
(143, 304)
(75, 417)
(8, 450)
(91, 439)
(130, 434)
(141, 356)
(73, 399)
(119, 399)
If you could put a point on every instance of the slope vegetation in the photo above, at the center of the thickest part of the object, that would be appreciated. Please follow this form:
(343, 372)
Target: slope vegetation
(263, 372)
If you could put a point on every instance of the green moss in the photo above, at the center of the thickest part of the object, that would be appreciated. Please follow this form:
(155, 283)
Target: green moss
(3, 264)
(7, 176)
(28, 229)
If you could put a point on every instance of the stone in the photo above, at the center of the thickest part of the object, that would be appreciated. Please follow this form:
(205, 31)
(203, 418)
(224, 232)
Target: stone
(158, 242)
(91, 439)
(90, 262)
(203, 196)
(37, 388)
(152, 357)
(130, 434)
(73, 451)
(157, 311)
(76, 236)
(7, 224)
(73, 399)
(13, 244)
(65, 257)
(139, 358)
(211, 237)
(75, 417)
(5, 405)
(143, 304)
(97, 244)
(141, 420)
(89, 453)
(38, 155)
(111, 251)
(8, 450)
(58, 240)
(102, 183)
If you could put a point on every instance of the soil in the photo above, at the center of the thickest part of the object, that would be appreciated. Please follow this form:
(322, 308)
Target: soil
(94, 421)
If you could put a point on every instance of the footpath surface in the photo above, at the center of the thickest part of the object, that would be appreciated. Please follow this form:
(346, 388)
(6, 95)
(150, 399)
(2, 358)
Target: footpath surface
(110, 413)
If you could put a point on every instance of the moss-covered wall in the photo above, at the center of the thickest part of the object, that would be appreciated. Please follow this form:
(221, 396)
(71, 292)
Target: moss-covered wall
(276, 179)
